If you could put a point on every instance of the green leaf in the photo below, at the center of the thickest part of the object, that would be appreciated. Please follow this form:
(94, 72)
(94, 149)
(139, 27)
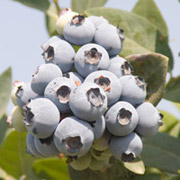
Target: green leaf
(13, 156)
(162, 152)
(149, 10)
(42, 5)
(81, 5)
(51, 168)
(3, 129)
(172, 92)
(143, 35)
(170, 124)
(5, 90)
(136, 167)
(51, 17)
(153, 68)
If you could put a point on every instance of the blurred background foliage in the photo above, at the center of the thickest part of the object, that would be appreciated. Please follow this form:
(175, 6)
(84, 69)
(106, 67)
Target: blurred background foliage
(146, 46)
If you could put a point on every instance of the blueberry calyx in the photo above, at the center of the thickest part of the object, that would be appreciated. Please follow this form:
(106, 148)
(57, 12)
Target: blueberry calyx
(66, 75)
(95, 97)
(124, 117)
(128, 157)
(120, 33)
(63, 94)
(92, 56)
(28, 115)
(104, 82)
(127, 68)
(73, 144)
(78, 19)
(92, 124)
(140, 82)
(19, 92)
(48, 54)
(161, 116)
(71, 159)
(47, 141)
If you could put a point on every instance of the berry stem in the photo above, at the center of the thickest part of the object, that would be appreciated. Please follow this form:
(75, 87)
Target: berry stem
(57, 5)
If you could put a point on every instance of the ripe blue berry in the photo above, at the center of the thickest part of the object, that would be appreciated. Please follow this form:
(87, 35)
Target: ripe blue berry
(98, 20)
(79, 31)
(149, 120)
(60, 53)
(73, 137)
(88, 101)
(43, 75)
(126, 148)
(52, 40)
(119, 66)
(108, 82)
(110, 37)
(133, 89)
(91, 57)
(41, 117)
(58, 91)
(121, 118)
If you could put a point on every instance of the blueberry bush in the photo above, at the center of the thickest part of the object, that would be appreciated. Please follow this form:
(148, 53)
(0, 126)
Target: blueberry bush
(84, 149)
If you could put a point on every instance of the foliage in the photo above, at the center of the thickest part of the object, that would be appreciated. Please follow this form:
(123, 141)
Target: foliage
(146, 47)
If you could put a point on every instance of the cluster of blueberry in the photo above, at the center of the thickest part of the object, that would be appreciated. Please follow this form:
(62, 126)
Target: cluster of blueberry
(86, 104)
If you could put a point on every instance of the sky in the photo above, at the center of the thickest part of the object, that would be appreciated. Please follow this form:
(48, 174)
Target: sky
(22, 31)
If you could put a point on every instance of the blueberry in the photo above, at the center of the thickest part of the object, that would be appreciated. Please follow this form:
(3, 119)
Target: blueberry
(73, 137)
(91, 57)
(149, 120)
(24, 94)
(121, 118)
(133, 89)
(43, 75)
(41, 117)
(31, 149)
(119, 66)
(81, 163)
(79, 30)
(126, 148)
(60, 53)
(64, 16)
(17, 119)
(99, 128)
(51, 41)
(58, 91)
(46, 149)
(98, 20)
(76, 77)
(108, 82)
(110, 37)
(103, 143)
(88, 101)
(16, 86)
